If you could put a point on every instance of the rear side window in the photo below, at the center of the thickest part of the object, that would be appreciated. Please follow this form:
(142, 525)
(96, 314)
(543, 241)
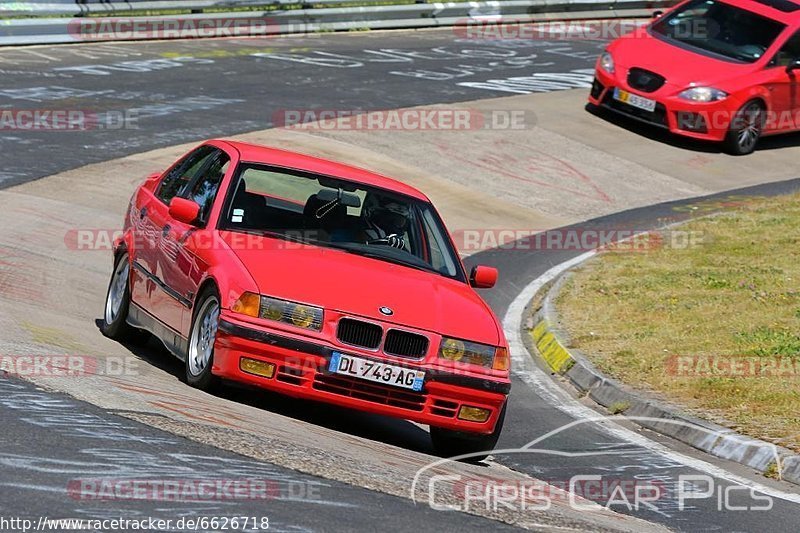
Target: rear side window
(789, 52)
(182, 174)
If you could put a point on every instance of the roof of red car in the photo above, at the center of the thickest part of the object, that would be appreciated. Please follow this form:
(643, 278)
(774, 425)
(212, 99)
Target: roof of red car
(780, 10)
(253, 153)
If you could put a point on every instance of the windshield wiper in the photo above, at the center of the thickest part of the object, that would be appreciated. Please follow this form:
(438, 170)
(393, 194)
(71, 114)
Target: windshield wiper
(418, 266)
(375, 255)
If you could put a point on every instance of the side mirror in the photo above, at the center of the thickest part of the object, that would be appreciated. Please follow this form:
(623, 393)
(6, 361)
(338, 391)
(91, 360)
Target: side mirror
(184, 210)
(483, 277)
(793, 65)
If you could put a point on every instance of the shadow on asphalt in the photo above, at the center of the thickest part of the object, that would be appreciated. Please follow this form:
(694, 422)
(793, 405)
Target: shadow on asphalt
(373, 427)
(654, 133)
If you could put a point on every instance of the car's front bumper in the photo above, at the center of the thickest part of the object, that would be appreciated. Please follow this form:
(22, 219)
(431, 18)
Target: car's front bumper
(706, 121)
(301, 370)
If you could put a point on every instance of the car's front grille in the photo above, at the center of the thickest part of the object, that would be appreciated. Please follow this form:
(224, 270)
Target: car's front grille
(358, 333)
(444, 408)
(405, 344)
(371, 392)
(293, 376)
(644, 80)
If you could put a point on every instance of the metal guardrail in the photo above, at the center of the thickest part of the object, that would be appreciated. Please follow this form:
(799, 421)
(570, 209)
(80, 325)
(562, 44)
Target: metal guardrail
(35, 8)
(24, 31)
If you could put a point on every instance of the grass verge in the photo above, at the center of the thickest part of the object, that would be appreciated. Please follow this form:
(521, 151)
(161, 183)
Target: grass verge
(714, 327)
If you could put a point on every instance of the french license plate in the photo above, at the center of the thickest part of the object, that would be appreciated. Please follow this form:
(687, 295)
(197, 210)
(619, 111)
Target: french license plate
(634, 100)
(378, 372)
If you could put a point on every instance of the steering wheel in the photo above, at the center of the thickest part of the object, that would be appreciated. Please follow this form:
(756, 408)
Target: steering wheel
(394, 240)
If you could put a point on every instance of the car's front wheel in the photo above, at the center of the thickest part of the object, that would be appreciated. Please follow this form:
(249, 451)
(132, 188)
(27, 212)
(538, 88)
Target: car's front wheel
(746, 129)
(449, 443)
(118, 300)
(200, 356)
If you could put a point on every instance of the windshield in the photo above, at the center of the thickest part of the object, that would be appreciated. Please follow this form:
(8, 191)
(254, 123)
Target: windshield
(720, 29)
(355, 218)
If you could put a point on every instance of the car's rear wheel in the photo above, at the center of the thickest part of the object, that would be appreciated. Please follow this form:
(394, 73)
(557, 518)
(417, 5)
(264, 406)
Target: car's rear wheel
(118, 299)
(746, 129)
(449, 443)
(200, 356)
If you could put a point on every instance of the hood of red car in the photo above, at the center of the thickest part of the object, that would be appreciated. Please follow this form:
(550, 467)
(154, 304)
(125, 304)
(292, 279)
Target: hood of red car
(357, 285)
(680, 66)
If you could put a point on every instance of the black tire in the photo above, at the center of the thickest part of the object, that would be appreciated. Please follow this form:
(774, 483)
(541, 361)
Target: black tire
(115, 311)
(746, 128)
(198, 373)
(449, 443)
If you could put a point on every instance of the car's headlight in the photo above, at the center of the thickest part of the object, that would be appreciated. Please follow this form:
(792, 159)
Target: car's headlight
(703, 94)
(474, 353)
(607, 62)
(300, 315)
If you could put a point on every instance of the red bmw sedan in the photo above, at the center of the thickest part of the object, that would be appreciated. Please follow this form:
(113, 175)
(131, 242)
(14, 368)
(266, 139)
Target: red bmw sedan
(314, 279)
(717, 70)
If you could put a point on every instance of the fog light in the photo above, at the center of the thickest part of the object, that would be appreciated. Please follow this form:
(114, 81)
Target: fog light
(692, 122)
(259, 368)
(473, 414)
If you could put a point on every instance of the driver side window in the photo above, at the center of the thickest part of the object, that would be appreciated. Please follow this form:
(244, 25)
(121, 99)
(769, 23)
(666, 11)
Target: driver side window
(182, 174)
(789, 52)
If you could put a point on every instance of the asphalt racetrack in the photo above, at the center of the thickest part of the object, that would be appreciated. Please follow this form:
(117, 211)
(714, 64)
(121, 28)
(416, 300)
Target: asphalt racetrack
(350, 472)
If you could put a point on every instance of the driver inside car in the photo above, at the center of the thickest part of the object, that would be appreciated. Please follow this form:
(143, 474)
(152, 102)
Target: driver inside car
(386, 221)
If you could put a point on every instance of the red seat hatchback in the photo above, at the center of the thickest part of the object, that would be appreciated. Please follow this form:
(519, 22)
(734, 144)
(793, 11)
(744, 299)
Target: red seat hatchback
(719, 70)
(314, 279)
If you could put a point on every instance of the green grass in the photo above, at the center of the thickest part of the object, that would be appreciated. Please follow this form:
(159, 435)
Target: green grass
(737, 294)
